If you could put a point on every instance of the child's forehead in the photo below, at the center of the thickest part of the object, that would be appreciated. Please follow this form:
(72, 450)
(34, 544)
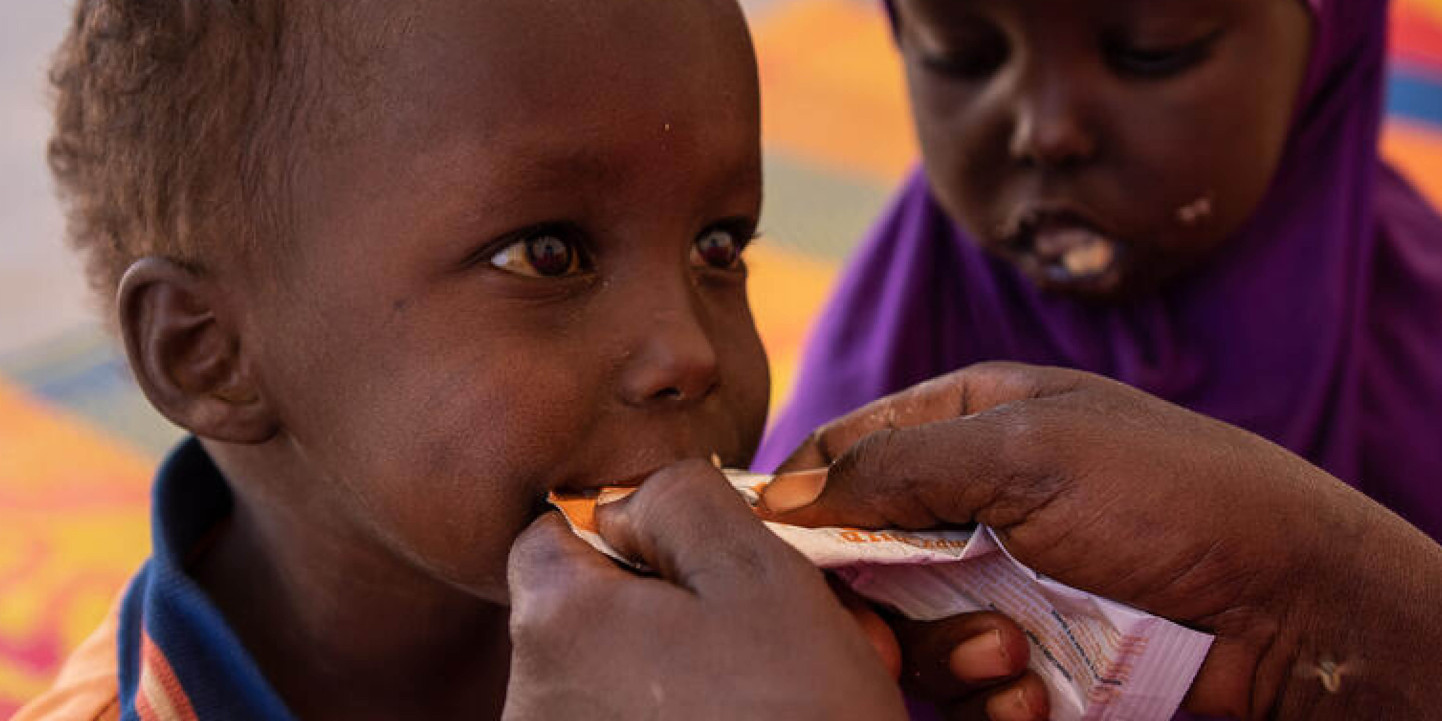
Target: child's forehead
(515, 36)
(504, 73)
(475, 111)
(520, 59)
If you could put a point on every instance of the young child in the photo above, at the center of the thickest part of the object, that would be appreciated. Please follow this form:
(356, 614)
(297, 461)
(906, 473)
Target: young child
(1185, 196)
(403, 269)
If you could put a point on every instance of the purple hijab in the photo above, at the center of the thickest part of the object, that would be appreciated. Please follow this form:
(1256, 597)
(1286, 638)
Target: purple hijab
(1320, 328)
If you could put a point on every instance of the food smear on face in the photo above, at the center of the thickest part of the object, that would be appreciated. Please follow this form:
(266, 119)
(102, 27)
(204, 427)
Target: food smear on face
(1196, 211)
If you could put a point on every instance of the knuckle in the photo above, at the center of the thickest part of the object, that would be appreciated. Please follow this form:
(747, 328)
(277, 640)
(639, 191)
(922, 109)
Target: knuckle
(889, 483)
(757, 570)
(529, 557)
(533, 616)
(690, 505)
(554, 610)
(672, 492)
(741, 561)
(998, 365)
(1028, 381)
(996, 370)
(824, 439)
(1019, 434)
(1033, 463)
(675, 483)
(875, 451)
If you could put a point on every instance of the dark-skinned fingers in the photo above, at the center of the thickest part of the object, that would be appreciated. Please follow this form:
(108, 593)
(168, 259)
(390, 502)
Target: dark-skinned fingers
(985, 386)
(554, 577)
(1223, 684)
(941, 474)
(548, 554)
(1023, 699)
(953, 658)
(908, 408)
(884, 480)
(969, 391)
(690, 525)
(873, 626)
(809, 455)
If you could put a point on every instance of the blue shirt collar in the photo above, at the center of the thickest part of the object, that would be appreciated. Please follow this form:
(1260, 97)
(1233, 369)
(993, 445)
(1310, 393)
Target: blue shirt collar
(169, 628)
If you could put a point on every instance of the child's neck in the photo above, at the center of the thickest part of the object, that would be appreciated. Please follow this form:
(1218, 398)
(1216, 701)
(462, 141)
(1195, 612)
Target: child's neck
(342, 629)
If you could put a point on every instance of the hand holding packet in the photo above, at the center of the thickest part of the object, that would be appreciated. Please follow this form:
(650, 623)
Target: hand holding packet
(1100, 660)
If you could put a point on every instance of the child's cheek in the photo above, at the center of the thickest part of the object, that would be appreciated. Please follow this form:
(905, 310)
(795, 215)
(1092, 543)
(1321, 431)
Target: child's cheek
(453, 485)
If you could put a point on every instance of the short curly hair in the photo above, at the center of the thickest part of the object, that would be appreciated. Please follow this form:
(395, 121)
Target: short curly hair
(177, 123)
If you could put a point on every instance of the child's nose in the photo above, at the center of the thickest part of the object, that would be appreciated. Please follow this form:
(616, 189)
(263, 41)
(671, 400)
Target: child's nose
(1048, 126)
(673, 360)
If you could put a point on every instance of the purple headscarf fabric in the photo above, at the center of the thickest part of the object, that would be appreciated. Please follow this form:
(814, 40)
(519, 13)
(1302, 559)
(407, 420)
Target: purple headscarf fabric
(1319, 328)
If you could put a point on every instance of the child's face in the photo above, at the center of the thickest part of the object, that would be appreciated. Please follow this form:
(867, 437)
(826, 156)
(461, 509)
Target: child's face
(1103, 145)
(516, 270)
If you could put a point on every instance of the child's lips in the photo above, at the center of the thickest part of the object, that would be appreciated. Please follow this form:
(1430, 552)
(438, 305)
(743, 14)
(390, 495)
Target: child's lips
(1063, 249)
(591, 488)
(624, 479)
(1073, 252)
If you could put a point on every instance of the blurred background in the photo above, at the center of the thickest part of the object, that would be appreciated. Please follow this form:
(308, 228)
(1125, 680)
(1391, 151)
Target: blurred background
(78, 444)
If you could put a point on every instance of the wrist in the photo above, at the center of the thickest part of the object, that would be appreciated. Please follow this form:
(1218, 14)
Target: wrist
(1358, 636)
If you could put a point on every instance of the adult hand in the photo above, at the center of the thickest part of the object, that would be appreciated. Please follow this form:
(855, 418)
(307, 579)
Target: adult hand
(736, 624)
(1323, 602)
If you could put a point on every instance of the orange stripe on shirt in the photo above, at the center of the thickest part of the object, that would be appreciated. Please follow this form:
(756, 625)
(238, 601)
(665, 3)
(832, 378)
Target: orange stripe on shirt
(160, 697)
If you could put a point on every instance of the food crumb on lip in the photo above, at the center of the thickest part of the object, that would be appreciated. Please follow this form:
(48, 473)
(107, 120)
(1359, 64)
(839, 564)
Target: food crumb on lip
(1071, 253)
(1090, 259)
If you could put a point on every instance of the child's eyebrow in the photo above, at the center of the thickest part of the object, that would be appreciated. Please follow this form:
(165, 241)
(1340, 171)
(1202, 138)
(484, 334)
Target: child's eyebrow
(509, 172)
(470, 187)
(541, 163)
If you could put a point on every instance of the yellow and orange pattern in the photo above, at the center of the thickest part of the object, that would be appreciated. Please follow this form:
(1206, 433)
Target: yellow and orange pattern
(75, 506)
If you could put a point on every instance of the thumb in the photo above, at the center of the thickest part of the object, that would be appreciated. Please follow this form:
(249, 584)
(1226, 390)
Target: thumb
(988, 468)
(688, 523)
(873, 626)
(549, 560)
(969, 391)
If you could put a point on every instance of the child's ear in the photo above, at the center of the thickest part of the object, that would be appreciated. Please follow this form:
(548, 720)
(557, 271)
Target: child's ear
(187, 355)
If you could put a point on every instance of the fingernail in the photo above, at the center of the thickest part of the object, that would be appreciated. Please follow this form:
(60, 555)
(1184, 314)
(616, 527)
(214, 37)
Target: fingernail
(1014, 705)
(1026, 706)
(611, 495)
(790, 491)
(981, 658)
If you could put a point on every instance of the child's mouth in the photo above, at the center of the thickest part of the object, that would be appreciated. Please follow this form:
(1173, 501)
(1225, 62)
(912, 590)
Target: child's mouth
(590, 487)
(1070, 254)
(1064, 251)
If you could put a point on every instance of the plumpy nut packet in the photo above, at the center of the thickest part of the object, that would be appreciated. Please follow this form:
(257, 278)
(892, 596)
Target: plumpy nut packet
(1100, 660)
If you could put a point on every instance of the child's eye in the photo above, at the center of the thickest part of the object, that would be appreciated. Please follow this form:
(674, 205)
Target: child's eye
(541, 254)
(980, 59)
(718, 248)
(1157, 62)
